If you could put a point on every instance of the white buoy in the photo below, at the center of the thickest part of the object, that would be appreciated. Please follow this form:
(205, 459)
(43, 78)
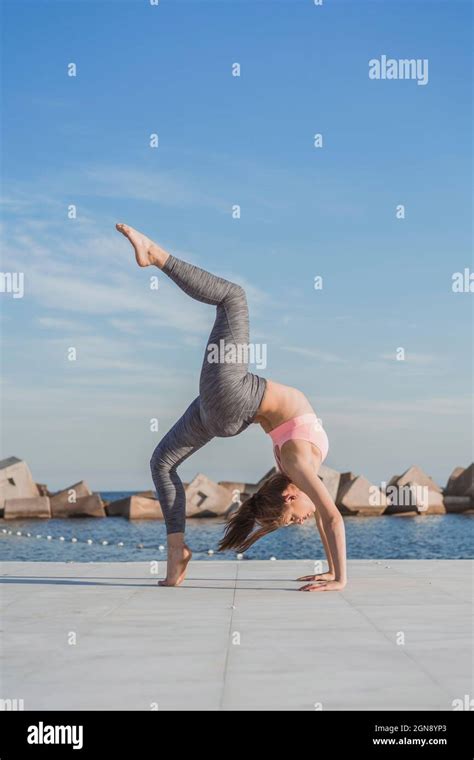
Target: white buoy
(104, 543)
(38, 535)
(161, 548)
(240, 556)
(4, 530)
(74, 540)
(90, 541)
(18, 533)
(49, 538)
(120, 543)
(29, 535)
(273, 558)
(61, 538)
(210, 552)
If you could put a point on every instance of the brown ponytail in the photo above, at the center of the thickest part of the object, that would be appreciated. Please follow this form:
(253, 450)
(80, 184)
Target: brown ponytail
(265, 509)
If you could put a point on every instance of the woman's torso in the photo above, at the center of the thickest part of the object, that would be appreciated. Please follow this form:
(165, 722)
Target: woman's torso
(279, 404)
(286, 414)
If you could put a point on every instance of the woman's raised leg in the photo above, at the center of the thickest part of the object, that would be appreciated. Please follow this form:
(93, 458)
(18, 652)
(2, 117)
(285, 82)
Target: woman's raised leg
(230, 394)
(226, 388)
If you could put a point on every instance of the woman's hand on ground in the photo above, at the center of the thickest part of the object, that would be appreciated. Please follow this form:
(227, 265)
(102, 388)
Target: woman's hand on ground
(324, 586)
(319, 577)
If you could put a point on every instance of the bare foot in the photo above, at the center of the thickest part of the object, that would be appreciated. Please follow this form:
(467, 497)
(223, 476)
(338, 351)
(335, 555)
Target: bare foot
(178, 559)
(146, 251)
(320, 577)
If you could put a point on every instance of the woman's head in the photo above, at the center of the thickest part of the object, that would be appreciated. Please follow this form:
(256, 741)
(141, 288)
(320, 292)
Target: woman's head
(277, 502)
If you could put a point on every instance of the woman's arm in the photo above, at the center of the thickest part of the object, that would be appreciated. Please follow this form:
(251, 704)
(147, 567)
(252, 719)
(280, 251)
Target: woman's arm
(300, 467)
(324, 539)
(330, 575)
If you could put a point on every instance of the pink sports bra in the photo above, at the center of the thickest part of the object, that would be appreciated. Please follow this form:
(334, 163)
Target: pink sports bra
(305, 427)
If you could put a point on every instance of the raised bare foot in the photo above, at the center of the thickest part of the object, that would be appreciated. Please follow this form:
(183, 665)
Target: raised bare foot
(146, 251)
(178, 559)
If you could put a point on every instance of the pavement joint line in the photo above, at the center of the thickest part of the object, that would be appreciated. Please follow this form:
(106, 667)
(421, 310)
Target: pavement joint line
(415, 662)
(227, 654)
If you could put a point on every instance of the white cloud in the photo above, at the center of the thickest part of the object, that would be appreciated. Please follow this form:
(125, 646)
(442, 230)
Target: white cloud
(413, 358)
(58, 323)
(54, 285)
(168, 188)
(314, 353)
(125, 326)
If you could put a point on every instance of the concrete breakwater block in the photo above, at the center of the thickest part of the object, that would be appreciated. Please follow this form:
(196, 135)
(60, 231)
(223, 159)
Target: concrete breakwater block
(452, 478)
(85, 506)
(239, 492)
(232, 486)
(67, 496)
(331, 479)
(22, 509)
(458, 504)
(206, 498)
(413, 499)
(416, 475)
(461, 482)
(360, 497)
(435, 505)
(346, 477)
(16, 481)
(135, 508)
(247, 489)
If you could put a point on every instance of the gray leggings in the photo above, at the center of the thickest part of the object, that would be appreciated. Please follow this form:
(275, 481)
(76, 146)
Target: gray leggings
(229, 395)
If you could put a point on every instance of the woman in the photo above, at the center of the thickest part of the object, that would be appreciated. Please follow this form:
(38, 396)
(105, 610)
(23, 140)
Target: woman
(230, 399)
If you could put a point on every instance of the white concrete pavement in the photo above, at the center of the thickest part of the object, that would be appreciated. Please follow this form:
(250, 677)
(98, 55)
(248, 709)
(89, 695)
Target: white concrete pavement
(235, 636)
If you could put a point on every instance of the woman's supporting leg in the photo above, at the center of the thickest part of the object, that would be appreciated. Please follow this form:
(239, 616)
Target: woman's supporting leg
(185, 437)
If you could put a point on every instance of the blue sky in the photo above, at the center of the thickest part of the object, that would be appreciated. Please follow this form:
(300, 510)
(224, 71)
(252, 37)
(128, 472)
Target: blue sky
(305, 212)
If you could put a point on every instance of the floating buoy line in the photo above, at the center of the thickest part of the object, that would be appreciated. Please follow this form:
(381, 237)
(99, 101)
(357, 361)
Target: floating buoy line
(92, 542)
